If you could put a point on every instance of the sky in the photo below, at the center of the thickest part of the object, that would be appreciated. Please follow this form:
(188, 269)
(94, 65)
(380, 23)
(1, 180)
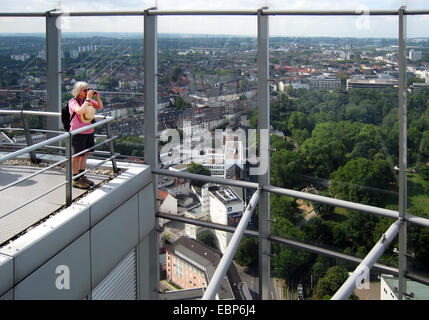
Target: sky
(350, 26)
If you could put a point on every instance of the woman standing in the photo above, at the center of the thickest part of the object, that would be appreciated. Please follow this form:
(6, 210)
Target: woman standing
(81, 109)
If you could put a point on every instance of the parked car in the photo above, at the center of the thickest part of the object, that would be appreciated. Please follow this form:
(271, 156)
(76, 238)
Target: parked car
(300, 292)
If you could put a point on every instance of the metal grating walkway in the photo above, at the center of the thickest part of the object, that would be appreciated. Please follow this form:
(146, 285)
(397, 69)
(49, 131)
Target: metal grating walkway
(13, 221)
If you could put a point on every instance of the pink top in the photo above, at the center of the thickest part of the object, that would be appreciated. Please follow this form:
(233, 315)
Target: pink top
(76, 122)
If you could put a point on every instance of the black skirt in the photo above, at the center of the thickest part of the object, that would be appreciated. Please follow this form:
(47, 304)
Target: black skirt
(81, 142)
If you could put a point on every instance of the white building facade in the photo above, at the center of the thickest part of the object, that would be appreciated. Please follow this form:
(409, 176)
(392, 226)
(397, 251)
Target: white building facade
(224, 207)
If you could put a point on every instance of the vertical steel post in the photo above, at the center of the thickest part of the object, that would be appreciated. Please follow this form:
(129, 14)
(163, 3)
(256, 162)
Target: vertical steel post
(264, 177)
(69, 173)
(402, 152)
(149, 248)
(27, 133)
(111, 147)
(53, 66)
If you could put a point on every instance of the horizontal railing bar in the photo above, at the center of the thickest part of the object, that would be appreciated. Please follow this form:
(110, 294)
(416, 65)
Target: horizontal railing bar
(23, 14)
(268, 12)
(225, 262)
(91, 126)
(356, 12)
(34, 147)
(330, 253)
(95, 167)
(333, 202)
(43, 113)
(424, 222)
(12, 129)
(54, 139)
(200, 177)
(417, 277)
(204, 224)
(93, 147)
(72, 14)
(33, 174)
(47, 131)
(280, 240)
(31, 113)
(362, 270)
(203, 13)
(25, 145)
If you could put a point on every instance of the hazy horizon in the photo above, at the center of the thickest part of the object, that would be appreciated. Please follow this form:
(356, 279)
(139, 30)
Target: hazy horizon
(190, 35)
(359, 26)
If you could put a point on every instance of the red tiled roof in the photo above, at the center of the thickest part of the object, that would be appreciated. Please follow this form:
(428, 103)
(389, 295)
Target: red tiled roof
(162, 195)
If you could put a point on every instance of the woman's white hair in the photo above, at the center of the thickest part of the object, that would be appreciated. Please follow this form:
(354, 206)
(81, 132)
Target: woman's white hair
(78, 86)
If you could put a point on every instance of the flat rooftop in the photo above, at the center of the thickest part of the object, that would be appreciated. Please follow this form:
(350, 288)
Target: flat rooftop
(31, 201)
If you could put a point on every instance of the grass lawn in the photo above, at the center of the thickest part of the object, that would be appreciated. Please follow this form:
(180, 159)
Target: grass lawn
(340, 214)
(417, 197)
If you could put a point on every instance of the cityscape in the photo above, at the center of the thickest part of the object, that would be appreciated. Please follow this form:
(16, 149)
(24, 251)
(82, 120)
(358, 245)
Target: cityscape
(334, 132)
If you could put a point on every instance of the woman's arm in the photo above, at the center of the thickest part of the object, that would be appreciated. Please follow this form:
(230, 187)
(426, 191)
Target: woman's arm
(96, 94)
(99, 102)
(74, 105)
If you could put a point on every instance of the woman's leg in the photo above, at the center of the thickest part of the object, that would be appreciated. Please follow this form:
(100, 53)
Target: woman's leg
(82, 162)
(78, 144)
(82, 168)
(76, 165)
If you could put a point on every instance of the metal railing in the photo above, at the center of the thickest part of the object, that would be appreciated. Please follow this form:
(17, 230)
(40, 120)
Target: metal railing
(226, 260)
(364, 264)
(63, 136)
(53, 36)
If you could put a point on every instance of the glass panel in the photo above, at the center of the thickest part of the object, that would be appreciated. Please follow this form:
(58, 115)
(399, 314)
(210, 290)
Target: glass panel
(23, 74)
(418, 135)
(190, 254)
(334, 106)
(111, 63)
(206, 88)
(300, 275)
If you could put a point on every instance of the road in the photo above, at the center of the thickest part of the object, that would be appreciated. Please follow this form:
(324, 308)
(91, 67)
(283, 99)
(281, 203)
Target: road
(277, 292)
(252, 281)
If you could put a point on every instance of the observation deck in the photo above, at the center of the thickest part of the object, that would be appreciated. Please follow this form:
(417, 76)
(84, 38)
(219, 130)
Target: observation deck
(106, 240)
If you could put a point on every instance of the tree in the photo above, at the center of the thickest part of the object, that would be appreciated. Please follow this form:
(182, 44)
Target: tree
(331, 282)
(321, 265)
(291, 265)
(207, 238)
(247, 253)
(364, 149)
(317, 231)
(298, 120)
(197, 168)
(284, 207)
(286, 167)
(424, 144)
(300, 135)
(323, 210)
(360, 227)
(322, 157)
(361, 180)
(279, 143)
(418, 238)
(181, 103)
